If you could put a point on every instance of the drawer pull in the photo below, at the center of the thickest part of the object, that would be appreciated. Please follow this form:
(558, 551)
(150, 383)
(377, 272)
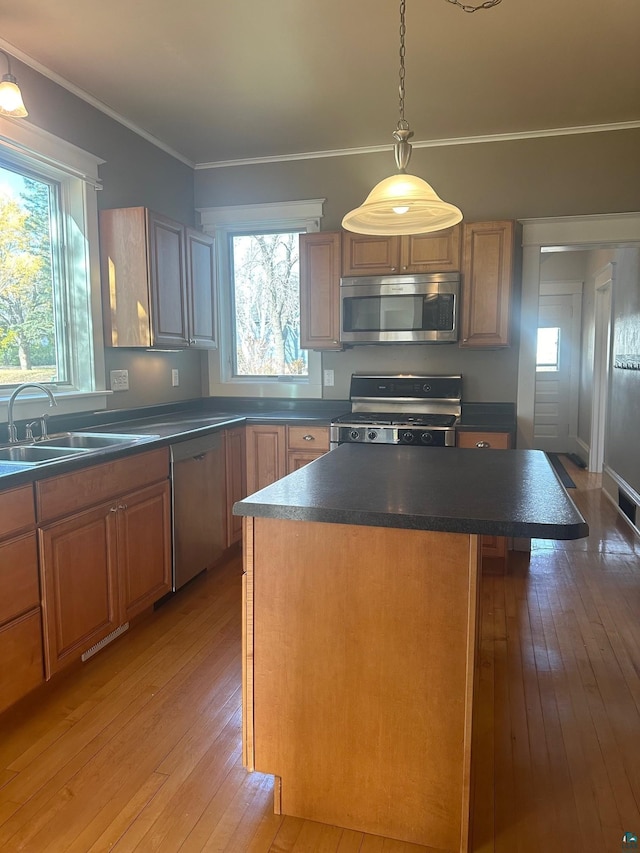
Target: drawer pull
(308, 437)
(483, 444)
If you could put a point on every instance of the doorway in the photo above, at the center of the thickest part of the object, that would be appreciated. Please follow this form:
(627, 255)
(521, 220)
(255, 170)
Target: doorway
(557, 368)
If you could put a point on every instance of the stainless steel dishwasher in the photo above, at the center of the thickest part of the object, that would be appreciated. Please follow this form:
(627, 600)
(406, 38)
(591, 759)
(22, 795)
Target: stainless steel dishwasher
(198, 497)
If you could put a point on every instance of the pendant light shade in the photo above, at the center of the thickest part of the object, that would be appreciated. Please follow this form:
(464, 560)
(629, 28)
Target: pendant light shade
(402, 204)
(11, 103)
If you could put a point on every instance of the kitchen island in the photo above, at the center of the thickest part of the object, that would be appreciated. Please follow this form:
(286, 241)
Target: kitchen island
(361, 600)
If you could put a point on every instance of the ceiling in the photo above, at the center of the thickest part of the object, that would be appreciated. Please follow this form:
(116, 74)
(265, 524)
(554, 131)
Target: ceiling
(216, 80)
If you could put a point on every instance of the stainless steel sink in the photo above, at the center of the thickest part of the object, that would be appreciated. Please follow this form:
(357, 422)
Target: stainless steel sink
(90, 440)
(34, 454)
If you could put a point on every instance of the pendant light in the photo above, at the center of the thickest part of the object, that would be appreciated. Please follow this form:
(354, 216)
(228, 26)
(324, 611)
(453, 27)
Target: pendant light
(404, 203)
(11, 103)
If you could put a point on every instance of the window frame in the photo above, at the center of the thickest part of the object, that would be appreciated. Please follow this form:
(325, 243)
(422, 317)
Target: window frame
(27, 148)
(222, 223)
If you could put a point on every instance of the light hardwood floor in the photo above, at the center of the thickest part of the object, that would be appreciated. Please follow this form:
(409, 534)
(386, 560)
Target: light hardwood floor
(139, 749)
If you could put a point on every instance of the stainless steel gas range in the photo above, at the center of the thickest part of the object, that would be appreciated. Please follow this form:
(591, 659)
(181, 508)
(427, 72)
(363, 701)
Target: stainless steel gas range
(414, 410)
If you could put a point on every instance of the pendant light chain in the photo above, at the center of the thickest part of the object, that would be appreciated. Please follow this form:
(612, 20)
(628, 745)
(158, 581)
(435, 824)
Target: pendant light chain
(403, 29)
(488, 4)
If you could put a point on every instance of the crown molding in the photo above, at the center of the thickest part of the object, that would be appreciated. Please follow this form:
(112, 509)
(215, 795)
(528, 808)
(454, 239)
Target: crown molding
(427, 143)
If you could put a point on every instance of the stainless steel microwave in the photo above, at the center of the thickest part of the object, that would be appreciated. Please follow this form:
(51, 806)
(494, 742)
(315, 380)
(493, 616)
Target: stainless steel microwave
(399, 309)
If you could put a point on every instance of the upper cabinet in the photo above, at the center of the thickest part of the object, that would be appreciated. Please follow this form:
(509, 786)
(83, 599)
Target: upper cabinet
(418, 253)
(157, 280)
(320, 290)
(488, 266)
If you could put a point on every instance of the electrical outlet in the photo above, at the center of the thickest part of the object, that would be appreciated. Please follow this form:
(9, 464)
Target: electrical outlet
(328, 378)
(175, 378)
(119, 380)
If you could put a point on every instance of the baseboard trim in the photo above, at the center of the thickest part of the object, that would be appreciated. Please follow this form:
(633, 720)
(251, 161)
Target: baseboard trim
(629, 493)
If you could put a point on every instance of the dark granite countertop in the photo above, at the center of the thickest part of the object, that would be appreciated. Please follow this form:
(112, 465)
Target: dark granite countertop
(445, 489)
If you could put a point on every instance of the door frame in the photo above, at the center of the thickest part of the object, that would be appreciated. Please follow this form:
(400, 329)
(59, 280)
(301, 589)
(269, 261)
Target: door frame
(601, 365)
(553, 234)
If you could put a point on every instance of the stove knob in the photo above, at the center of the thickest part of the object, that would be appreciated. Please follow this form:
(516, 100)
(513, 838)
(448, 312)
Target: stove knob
(407, 437)
(372, 435)
(354, 435)
(426, 388)
(426, 438)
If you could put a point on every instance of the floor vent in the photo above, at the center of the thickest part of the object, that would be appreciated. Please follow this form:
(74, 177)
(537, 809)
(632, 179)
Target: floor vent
(105, 642)
(627, 506)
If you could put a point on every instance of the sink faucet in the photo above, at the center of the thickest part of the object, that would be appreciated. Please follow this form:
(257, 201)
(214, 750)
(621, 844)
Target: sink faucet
(11, 427)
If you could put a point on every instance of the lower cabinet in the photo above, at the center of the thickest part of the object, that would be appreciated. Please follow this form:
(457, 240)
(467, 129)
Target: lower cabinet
(274, 451)
(494, 548)
(236, 480)
(102, 566)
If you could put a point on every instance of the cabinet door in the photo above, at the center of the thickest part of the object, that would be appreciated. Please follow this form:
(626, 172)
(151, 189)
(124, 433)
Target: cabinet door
(437, 252)
(363, 255)
(297, 459)
(80, 577)
(488, 256)
(320, 290)
(236, 481)
(144, 547)
(201, 296)
(167, 281)
(266, 456)
(21, 656)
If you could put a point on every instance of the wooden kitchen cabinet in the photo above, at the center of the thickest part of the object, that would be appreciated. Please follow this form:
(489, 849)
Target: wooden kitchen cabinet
(416, 253)
(488, 269)
(266, 455)
(21, 660)
(236, 481)
(105, 550)
(320, 290)
(304, 444)
(493, 548)
(158, 281)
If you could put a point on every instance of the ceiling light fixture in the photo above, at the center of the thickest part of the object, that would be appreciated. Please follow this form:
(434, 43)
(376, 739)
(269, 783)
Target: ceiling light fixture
(11, 103)
(404, 203)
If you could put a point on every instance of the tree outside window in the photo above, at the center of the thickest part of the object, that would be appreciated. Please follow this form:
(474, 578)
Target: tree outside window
(266, 302)
(27, 321)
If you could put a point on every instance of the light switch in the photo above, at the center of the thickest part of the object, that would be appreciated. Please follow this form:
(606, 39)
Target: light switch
(175, 377)
(119, 380)
(328, 378)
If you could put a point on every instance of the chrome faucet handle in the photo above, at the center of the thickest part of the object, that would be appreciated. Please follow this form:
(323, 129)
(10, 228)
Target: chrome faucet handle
(43, 426)
(28, 435)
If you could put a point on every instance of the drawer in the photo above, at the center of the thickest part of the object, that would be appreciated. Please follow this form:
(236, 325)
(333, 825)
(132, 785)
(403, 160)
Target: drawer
(19, 586)
(486, 440)
(21, 656)
(312, 438)
(83, 489)
(16, 510)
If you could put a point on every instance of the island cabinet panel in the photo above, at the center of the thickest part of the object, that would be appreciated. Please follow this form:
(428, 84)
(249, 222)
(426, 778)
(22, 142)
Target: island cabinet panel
(266, 455)
(359, 671)
(320, 290)
(488, 265)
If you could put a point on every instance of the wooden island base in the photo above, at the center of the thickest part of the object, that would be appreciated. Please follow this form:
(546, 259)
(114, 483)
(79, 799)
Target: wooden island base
(359, 651)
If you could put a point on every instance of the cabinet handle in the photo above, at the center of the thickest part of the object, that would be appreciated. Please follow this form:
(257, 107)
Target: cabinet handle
(308, 438)
(114, 509)
(199, 457)
(192, 340)
(393, 269)
(122, 506)
(483, 444)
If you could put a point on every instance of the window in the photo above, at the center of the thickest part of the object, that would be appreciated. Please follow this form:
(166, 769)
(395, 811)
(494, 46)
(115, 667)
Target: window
(50, 314)
(548, 349)
(258, 275)
(266, 305)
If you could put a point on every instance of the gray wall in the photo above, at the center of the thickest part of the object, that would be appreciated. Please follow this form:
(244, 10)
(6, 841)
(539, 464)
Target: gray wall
(136, 173)
(561, 176)
(622, 443)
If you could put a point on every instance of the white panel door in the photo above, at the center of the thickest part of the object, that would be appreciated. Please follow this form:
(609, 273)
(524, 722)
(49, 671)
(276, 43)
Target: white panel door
(555, 372)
